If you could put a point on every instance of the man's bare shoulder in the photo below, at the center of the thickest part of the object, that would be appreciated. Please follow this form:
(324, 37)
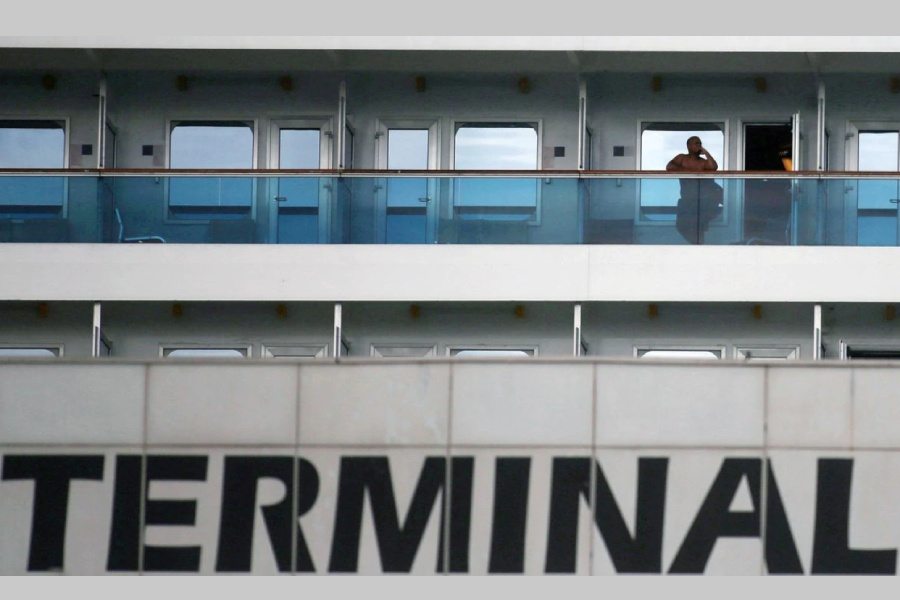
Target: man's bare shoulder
(678, 160)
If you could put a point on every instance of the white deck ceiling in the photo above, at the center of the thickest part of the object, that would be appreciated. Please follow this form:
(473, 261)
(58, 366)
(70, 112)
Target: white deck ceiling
(597, 54)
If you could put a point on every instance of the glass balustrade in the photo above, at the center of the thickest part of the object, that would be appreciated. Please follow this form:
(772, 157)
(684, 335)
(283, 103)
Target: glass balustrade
(390, 208)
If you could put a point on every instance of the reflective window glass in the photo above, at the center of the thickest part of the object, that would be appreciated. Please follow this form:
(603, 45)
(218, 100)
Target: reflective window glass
(30, 352)
(504, 146)
(660, 142)
(408, 149)
(205, 352)
(877, 200)
(211, 145)
(679, 353)
(299, 148)
(32, 144)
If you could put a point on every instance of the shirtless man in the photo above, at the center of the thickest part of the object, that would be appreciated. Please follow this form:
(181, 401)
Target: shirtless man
(693, 160)
(699, 201)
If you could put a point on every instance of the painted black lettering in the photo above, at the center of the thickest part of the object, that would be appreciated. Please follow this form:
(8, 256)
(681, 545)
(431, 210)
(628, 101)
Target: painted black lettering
(639, 554)
(510, 515)
(715, 520)
(242, 473)
(782, 557)
(398, 546)
(125, 529)
(462, 470)
(831, 548)
(125, 536)
(52, 475)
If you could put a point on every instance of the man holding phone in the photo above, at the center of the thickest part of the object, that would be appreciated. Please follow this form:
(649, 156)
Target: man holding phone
(701, 199)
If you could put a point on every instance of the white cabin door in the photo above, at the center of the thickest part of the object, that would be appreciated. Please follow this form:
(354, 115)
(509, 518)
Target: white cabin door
(877, 199)
(406, 206)
(301, 206)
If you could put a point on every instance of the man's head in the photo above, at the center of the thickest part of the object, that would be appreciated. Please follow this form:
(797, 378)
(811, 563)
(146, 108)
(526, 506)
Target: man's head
(694, 144)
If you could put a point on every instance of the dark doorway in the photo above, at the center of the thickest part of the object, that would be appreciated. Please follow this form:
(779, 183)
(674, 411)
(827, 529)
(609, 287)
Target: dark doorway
(767, 202)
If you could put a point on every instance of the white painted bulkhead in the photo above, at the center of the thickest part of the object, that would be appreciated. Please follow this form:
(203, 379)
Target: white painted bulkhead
(614, 284)
(464, 296)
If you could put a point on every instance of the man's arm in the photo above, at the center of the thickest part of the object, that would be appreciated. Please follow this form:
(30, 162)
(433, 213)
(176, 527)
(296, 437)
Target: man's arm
(711, 164)
(675, 164)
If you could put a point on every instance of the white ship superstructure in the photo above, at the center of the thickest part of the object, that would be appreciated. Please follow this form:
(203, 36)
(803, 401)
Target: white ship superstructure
(443, 210)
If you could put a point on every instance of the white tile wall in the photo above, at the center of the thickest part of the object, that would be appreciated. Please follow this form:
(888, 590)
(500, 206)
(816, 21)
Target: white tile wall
(522, 404)
(876, 408)
(810, 408)
(683, 406)
(71, 404)
(385, 404)
(229, 404)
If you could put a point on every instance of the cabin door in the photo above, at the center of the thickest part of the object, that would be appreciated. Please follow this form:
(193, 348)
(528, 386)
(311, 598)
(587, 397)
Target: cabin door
(876, 200)
(768, 147)
(301, 205)
(406, 205)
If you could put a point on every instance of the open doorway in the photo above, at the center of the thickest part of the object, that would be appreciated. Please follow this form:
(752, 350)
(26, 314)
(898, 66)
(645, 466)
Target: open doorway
(767, 202)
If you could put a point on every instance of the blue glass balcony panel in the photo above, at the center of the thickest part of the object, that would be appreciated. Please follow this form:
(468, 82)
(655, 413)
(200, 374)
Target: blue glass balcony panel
(389, 208)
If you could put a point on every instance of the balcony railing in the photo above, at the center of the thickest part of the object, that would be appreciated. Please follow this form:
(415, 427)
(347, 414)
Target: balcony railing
(330, 207)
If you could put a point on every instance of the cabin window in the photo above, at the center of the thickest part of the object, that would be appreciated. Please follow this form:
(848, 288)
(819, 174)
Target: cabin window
(203, 145)
(679, 353)
(189, 351)
(752, 353)
(508, 146)
(32, 144)
(869, 351)
(31, 351)
(493, 146)
(491, 352)
(660, 142)
(301, 351)
(403, 351)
